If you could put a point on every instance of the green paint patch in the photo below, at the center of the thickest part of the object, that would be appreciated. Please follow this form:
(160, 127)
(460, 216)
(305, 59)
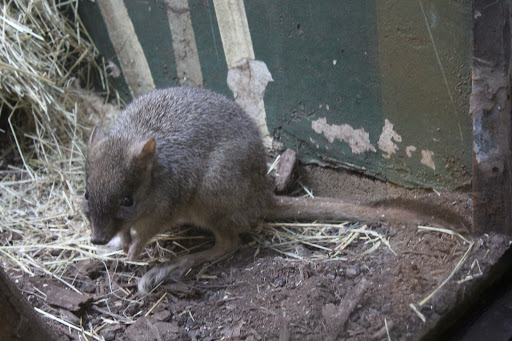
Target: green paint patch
(209, 46)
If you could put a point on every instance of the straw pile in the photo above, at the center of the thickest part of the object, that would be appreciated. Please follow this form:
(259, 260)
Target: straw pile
(46, 119)
(44, 124)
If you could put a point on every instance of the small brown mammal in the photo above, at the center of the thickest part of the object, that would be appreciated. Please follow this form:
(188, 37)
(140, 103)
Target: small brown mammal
(174, 156)
(187, 155)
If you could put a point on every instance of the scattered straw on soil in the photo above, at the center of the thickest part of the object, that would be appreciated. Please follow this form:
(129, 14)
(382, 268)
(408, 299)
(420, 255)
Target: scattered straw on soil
(452, 273)
(327, 241)
(457, 267)
(42, 52)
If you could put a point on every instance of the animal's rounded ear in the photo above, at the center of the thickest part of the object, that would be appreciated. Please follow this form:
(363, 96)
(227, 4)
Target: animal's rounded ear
(96, 136)
(149, 147)
(147, 153)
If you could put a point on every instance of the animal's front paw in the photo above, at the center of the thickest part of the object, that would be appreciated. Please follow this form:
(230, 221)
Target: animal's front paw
(133, 251)
(126, 240)
(160, 273)
(115, 243)
(135, 248)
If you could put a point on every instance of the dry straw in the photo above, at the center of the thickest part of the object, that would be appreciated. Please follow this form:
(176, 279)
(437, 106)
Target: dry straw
(41, 161)
(39, 207)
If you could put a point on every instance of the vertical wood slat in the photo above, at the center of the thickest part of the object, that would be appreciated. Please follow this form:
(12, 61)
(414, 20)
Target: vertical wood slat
(128, 49)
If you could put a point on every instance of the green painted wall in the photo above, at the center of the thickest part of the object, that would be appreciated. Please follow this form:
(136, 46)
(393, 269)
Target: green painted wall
(378, 86)
(324, 61)
(209, 46)
(425, 70)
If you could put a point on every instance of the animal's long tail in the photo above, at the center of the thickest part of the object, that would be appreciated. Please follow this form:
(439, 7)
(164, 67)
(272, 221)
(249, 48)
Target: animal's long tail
(392, 211)
(298, 208)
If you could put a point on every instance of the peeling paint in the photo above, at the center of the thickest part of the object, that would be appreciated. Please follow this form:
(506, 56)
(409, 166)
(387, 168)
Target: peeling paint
(409, 150)
(386, 138)
(247, 78)
(248, 81)
(314, 142)
(426, 159)
(357, 139)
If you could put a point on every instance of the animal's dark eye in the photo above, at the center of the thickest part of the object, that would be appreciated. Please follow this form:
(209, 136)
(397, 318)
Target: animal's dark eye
(127, 201)
(86, 195)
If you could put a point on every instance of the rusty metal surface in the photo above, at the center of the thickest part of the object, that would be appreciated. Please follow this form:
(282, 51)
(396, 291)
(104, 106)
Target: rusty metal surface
(490, 108)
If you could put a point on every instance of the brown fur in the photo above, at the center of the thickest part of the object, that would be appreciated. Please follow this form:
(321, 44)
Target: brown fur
(188, 155)
(184, 155)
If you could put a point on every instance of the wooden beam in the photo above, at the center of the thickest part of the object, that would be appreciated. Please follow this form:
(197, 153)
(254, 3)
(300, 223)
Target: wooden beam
(128, 49)
(19, 320)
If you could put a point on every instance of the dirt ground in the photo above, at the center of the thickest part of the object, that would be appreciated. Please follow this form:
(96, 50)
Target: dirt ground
(259, 294)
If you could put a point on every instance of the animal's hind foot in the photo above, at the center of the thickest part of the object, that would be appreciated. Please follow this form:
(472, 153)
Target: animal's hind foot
(161, 272)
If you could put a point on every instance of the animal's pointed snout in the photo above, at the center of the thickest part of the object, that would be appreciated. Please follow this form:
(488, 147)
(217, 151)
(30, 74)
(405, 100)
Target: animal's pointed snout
(99, 236)
(98, 240)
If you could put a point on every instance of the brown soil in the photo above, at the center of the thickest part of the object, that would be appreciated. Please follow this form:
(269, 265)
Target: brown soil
(257, 294)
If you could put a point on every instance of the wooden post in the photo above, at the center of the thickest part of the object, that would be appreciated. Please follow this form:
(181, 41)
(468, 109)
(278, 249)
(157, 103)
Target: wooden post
(490, 108)
(18, 319)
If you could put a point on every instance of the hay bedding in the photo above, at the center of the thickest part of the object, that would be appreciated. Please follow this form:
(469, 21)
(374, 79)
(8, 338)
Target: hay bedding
(253, 294)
